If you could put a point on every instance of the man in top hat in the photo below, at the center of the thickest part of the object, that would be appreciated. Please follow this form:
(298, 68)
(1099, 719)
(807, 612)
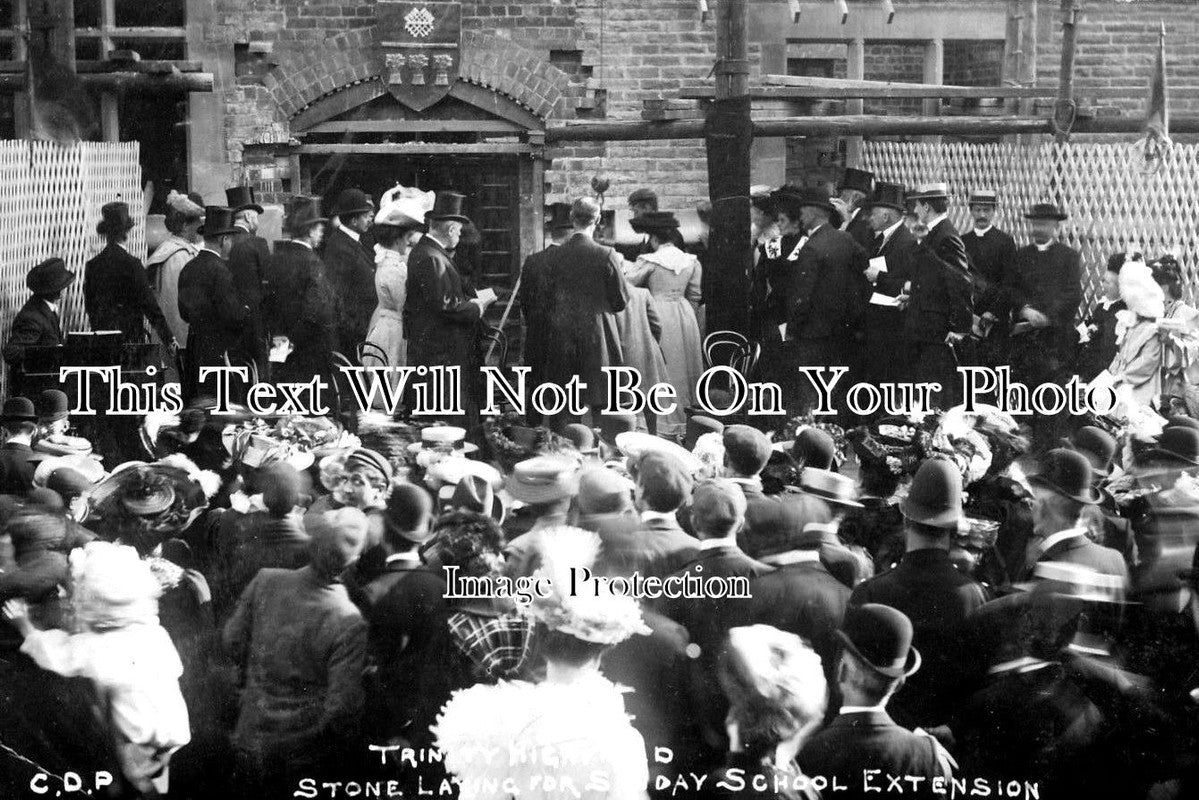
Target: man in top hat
(208, 301)
(116, 291)
(1062, 490)
(441, 316)
(934, 594)
(38, 323)
(18, 419)
(350, 267)
(585, 287)
(534, 298)
(939, 311)
(877, 659)
(1042, 295)
(248, 259)
(298, 301)
(817, 283)
(885, 350)
(992, 253)
(856, 186)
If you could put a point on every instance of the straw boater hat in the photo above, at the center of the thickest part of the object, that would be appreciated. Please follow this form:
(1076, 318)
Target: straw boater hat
(443, 437)
(633, 445)
(832, 487)
(929, 191)
(544, 479)
(984, 197)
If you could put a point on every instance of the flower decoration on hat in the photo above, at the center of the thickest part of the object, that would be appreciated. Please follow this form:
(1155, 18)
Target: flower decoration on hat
(603, 619)
(144, 502)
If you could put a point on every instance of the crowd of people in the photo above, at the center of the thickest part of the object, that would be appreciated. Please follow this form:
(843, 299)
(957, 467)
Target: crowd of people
(955, 603)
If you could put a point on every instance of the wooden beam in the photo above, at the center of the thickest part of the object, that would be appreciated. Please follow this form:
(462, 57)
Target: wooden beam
(338, 103)
(934, 73)
(838, 89)
(415, 126)
(626, 131)
(1065, 82)
(132, 34)
(418, 148)
(118, 81)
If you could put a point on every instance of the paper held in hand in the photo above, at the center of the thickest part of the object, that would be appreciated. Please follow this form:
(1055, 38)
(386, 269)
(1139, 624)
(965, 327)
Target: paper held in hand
(879, 299)
(879, 263)
(280, 349)
(487, 296)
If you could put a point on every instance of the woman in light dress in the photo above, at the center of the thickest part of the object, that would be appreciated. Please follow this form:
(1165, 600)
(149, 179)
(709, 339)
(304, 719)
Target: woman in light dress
(673, 278)
(184, 216)
(398, 225)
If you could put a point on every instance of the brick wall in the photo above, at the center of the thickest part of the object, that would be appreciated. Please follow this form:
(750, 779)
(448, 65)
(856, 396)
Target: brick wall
(974, 63)
(894, 61)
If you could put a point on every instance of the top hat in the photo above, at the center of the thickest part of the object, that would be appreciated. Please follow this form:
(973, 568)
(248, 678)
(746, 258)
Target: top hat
(303, 213)
(887, 195)
(652, 221)
(1097, 445)
(881, 637)
(1068, 473)
(351, 202)
(935, 496)
(52, 405)
(49, 277)
(544, 479)
(929, 191)
(114, 219)
(18, 409)
(448, 206)
(795, 197)
(241, 198)
(984, 197)
(858, 179)
(830, 486)
(1045, 211)
(218, 221)
(1177, 443)
(557, 216)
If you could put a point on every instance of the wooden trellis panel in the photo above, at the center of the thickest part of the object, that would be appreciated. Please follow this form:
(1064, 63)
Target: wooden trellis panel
(50, 200)
(1113, 205)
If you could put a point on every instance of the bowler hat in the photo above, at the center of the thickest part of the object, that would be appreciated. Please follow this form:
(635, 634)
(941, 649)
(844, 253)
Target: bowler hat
(543, 479)
(557, 216)
(218, 221)
(984, 197)
(1177, 443)
(887, 195)
(881, 637)
(929, 191)
(746, 448)
(448, 206)
(302, 214)
(241, 198)
(1045, 211)
(52, 405)
(829, 486)
(114, 219)
(351, 202)
(814, 448)
(1068, 473)
(697, 426)
(796, 197)
(49, 277)
(409, 513)
(18, 409)
(857, 179)
(653, 221)
(1097, 445)
(935, 496)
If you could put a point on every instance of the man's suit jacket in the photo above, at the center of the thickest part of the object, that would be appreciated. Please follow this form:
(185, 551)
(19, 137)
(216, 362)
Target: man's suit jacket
(992, 255)
(665, 546)
(298, 304)
(802, 598)
(1082, 552)
(584, 287)
(248, 261)
(351, 272)
(882, 327)
(534, 306)
(824, 298)
(1050, 282)
(853, 743)
(439, 320)
(941, 287)
(859, 228)
(210, 304)
(16, 468)
(35, 325)
(117, 296)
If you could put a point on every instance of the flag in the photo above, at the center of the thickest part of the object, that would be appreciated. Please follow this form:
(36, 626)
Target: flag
(1157, 112)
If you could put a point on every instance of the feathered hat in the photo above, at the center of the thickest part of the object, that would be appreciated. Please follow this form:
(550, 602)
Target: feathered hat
(404, 207)
(1139, 291)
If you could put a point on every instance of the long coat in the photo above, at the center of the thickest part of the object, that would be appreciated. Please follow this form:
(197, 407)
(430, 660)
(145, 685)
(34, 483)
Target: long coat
(1050, 282)
(210, 304)
(940, 296)
(585, 288)
(351, 271)
(248, 259)
(301, 645)
(36, 325)
(117, 296)
(824, 290)
(533, 305)
(442, 323)
(298, 304)
(885, 350)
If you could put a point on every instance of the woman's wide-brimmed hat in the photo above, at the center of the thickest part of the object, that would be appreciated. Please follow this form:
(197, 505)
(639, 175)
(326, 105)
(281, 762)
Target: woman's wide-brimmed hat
(241, 198)
(796, 197)
(49, 277)
(404, 207)
(173, 487)
(114, 219)
(654, 222)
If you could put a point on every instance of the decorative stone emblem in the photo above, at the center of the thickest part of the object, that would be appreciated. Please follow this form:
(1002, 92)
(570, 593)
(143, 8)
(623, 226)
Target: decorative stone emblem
(395, 68)
(419, 22)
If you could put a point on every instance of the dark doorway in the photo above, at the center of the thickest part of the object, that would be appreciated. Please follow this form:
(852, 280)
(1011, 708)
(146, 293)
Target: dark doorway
(490, 184)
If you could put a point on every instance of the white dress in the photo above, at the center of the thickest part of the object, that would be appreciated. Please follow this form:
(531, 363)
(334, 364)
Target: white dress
(387, 323)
